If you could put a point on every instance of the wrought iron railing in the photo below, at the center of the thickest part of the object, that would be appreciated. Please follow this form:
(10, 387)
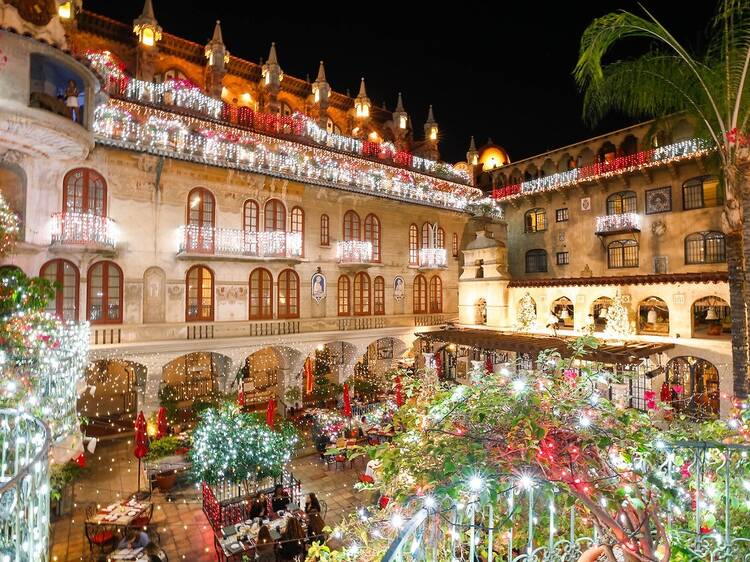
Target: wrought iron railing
(354, 251)
(25, 491)
(623, 222)
(237, 242)
(433, 258)
(83, 229)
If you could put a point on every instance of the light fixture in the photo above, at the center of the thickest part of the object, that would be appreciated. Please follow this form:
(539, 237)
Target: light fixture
(65, 10)
(402, 122)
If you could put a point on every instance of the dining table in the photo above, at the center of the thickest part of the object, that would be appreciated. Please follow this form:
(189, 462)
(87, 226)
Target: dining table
(128, 554)
(120, 514)
(240, 539)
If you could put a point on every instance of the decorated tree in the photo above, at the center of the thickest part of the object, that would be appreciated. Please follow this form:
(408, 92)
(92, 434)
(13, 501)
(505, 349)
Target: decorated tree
(526, 315)
(618, 322)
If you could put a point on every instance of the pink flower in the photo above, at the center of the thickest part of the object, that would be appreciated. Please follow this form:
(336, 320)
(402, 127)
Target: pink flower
(570, 374)
(649, 395)
(684, 470)
(677, 388)
(651, 404)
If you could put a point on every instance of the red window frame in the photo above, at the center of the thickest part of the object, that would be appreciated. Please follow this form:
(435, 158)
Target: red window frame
(325, 230)
(92, 184)
(413, 244)
(205, 313)
(440, 242)
(288, 292)
(108, 269)
(426, 242)
(260, 298)
(274, 216)
(343, 294)
(203, 215)
(352, 226)
(57, 306)
(372, 235)
(420, 294)
(436, 294)
(297, 224)
(378, 296)
(362, 295)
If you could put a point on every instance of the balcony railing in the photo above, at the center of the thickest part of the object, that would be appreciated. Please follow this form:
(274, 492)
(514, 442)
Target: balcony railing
(353, 251)
(433, 258)
(83, 229)
(235, 242)
(615, 224)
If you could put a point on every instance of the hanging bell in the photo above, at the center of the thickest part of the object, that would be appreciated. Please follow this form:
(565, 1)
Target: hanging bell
(711, 314)
(603, 313)
(565, 314)
(651, 318)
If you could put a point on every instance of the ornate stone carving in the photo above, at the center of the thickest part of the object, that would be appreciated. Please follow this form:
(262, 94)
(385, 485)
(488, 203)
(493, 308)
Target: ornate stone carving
(175, 292)
(659, 228)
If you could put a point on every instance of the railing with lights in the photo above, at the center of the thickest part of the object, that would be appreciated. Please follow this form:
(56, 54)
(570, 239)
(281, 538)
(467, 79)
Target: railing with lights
(25, 490)
(354, 251)
(237, 242)
(83, 229)
(433, 258)
(682, 150)
(624, 222)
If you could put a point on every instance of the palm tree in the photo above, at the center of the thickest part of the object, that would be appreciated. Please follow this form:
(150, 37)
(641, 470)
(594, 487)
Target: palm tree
(712, 87)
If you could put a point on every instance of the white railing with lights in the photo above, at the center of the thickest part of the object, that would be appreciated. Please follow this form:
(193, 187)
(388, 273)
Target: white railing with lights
(354, 251)
(25, 490)
(624, 222)
(237, 242)
(83, 229)
(433, 258)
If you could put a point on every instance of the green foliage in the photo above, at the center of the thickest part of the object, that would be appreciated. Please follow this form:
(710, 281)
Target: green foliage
(293, 394)
(168, 401)
(19, 292)
(61, 475)
(163, 447)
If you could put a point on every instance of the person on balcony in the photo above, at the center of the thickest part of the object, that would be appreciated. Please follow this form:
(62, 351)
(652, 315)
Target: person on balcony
(71, 100)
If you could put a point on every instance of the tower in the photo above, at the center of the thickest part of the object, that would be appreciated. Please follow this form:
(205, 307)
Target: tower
(401, 125)
(148, 32)
(271, 77)
(217, 58)
(321, 92)
(431, 136)
(472, 155)
(362, 103)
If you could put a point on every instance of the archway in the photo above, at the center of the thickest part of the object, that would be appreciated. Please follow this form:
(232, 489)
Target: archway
(564, 310)
(599, 310)
(653, 316)
(694, 386)
(259, 377)
(191, 382)
(711, 318)
(110, 403)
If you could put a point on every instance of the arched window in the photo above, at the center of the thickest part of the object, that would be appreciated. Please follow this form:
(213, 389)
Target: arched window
(288, 294)
(455, 245)
(427, 235)
(362, 294)
(420, 295)
(325, 230)
(436, 294)
(705, 247)
(274, 216)
(344, 298)
(535, 220)
(85, 191)
(379, 295)
(65, 275)
(261, 294)
(200, 229)
(599, 310)
(413, 245)
(351, 226)
(440, 241)
(250, 216)
(653, 316)
(622, 202)
(200, 294)
(298, 226)
(711, 318)
(104, 293)
(372, 235)
(699, 394)
(622, 253)
(702, 192)
(536, 261)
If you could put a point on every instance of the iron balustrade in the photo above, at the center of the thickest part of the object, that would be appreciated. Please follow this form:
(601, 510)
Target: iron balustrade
(433, 258)
(354, 251)
(83, 229)
(623, 222)
(237, 242)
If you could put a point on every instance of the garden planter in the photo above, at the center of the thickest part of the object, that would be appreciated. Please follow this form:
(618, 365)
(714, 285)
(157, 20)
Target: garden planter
(166, 480)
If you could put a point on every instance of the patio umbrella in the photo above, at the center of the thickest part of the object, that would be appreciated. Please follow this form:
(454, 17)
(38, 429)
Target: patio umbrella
(488, 365)
(161, 423)
(241, 396)
(347, 402)
(271, 412)
(141, 443)
(399, 394)
(309, 376)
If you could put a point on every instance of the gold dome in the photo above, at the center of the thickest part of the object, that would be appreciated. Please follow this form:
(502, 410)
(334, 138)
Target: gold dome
(492, 156)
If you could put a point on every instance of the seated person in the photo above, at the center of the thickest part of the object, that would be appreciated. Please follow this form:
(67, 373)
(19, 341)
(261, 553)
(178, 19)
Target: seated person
(154, 553)
(315, 526)
(258, 507)
(279, 499)
(312, 505)
(292, 542)
(265, 548)
(134, 539)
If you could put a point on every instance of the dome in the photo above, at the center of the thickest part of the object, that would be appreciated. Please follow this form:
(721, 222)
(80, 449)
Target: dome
(492, 156)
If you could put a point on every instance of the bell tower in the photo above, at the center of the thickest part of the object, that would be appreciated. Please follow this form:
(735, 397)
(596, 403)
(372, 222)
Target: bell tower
(148, 32)
(217, 58)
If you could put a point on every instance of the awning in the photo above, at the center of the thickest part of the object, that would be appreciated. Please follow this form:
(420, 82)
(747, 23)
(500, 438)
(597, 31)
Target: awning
(491, 340)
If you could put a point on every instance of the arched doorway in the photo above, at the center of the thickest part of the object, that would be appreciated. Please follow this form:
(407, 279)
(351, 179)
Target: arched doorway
(653, 316)
(110, 403)
(711, 318)
(259, 377)
(694, 386)
(191, 382)
(599, 310)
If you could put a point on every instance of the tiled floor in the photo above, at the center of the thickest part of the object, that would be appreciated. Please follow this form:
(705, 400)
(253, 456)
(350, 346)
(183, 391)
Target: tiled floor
(184, 530)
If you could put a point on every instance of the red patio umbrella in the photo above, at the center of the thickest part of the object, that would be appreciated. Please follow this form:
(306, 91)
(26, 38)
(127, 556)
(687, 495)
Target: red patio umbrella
(309, 376)
(399, 394)
(271, 412)
(347, 402)
(241, 396)
(489, 365)
(141, 443)
(161, 423)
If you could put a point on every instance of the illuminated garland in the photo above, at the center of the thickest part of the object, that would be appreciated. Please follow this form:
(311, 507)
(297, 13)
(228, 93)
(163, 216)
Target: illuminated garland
(8, 227)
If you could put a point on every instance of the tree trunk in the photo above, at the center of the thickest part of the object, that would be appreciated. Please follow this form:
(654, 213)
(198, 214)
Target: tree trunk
(737, 303)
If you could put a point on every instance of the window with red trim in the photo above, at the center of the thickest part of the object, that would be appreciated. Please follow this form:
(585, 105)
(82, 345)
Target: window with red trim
(201, 215)
(65, 274)
(455, 245)
(436, 294)
(372, 235)
(351, 226)
(344, 296)
(379, 296)
(298, 225)
(413, 245)
(261, 294)
(325, 230)
(104, 293)
(362, 294)
(200, 294)
(288, 294)
(420, 295)
(85, 191)
(251, 225)
(427, 235)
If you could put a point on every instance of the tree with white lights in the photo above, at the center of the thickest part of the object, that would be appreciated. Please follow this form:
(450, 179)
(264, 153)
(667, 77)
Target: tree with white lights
(526, 315)
(618, 322)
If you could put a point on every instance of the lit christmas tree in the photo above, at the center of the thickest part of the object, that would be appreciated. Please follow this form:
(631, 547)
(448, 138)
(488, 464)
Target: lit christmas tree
(618, 323)
(526, 316)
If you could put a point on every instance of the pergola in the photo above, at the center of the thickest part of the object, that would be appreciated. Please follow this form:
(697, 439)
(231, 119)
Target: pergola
(624, 353)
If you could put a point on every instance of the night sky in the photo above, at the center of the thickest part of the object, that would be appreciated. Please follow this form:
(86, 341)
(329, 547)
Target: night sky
(502, 72)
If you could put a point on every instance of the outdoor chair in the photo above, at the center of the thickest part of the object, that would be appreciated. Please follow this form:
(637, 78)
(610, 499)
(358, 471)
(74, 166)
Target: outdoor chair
(101, 537)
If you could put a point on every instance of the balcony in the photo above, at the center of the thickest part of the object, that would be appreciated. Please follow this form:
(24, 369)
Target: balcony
(235, 243)
(618, 224)
(433, 258)
(354, 252)
(83, 230)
